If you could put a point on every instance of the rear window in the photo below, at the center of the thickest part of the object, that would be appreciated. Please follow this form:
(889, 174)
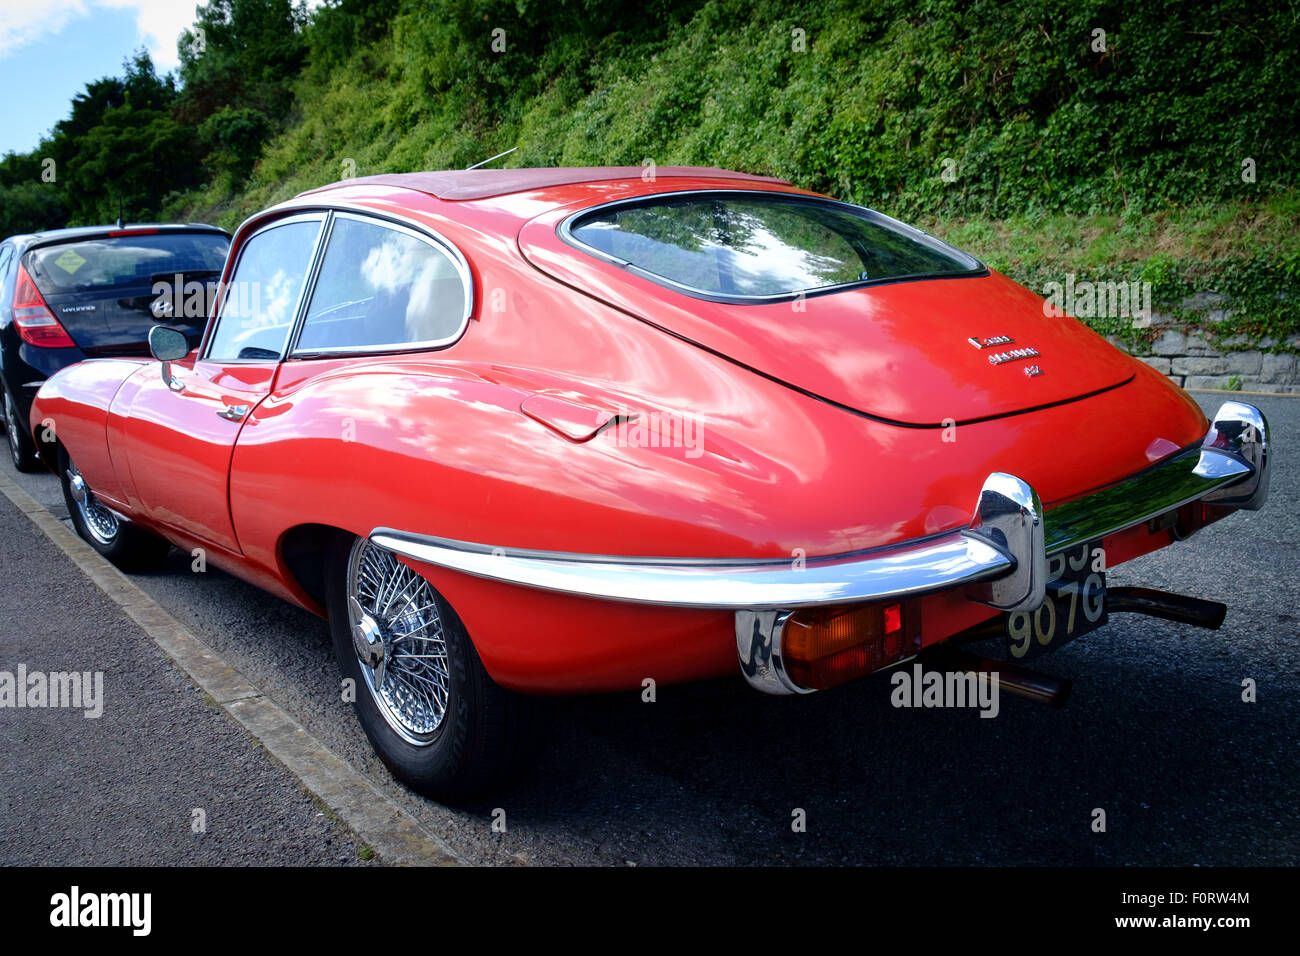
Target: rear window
(110, 263)
(730, 245)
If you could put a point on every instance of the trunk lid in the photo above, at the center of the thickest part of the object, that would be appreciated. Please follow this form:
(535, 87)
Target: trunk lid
(900, 351)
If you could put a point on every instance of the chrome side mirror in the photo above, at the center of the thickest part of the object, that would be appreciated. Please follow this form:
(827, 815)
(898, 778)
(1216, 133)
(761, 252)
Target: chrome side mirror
(167, 345)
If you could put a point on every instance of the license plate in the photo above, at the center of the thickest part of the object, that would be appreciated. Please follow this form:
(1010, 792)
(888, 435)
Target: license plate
(1075, 604)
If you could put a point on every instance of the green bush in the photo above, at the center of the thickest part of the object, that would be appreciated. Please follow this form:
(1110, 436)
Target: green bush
(1012, 119)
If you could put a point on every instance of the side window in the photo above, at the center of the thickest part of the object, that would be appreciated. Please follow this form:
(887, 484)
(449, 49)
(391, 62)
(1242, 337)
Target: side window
(381, 287)
(261, 301)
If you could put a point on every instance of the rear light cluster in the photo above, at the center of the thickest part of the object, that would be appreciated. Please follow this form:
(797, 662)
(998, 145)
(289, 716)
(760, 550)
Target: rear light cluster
(36, 323)
(823, 647)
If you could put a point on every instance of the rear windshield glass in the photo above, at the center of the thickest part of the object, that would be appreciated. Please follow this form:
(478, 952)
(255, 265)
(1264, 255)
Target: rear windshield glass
(124, 261)
(753, 246)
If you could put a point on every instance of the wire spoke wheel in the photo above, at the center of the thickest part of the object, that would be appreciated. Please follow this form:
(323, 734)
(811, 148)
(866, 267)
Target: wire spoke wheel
(101, 523)
(397, 635)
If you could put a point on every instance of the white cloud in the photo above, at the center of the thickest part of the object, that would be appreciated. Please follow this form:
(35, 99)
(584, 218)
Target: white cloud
(22, 23)
(158, 23)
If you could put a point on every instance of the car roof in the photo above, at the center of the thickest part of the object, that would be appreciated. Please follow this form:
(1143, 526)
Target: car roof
(88, 232)
(469, 184)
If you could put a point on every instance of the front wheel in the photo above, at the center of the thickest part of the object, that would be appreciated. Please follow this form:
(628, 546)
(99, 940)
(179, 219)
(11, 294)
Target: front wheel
(432, 713)
(128, 546)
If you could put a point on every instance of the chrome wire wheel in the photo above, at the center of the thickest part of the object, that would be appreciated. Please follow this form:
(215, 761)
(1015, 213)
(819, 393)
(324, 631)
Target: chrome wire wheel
(101, 523)
(398, 639)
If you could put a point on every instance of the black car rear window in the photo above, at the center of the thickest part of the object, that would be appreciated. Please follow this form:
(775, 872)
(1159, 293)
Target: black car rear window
(745, 245)
(118, 261)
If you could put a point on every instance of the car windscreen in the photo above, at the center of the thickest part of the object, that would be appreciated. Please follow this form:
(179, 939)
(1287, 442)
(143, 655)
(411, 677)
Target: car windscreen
(114, 262)
(757, 246)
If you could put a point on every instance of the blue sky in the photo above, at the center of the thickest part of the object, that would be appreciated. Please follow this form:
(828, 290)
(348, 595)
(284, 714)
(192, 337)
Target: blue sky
(50, 50)
(41, 77)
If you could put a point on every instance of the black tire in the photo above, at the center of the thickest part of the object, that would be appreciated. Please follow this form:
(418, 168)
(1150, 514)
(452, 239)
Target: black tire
(22, 450)
(487, 735)
(130, 547)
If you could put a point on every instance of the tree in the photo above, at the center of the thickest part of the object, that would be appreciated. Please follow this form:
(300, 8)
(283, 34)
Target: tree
(238, 66)
(123, 146)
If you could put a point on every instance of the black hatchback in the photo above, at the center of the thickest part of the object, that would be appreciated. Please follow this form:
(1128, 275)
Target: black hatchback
(93, 292)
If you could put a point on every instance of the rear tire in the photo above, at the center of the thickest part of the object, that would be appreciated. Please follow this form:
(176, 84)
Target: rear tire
(22, 450)
(128, 546)
(433, 715)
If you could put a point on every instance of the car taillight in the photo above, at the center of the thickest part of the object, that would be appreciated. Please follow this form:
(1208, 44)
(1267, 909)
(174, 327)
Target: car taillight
(36, 323)
(823, 647)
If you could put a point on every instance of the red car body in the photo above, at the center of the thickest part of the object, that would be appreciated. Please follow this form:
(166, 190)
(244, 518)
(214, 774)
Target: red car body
(834, 432)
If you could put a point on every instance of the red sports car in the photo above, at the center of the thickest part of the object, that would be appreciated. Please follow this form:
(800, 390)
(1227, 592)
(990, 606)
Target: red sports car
(543, 431)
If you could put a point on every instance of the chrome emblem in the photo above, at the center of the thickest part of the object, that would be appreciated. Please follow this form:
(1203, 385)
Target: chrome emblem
(78, 308)
(991, 341)
(1032, 370)
(1011, 355)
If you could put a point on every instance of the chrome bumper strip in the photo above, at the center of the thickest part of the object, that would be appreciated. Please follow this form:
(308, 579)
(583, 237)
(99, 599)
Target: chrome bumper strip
(952, 560)
(1000, 558)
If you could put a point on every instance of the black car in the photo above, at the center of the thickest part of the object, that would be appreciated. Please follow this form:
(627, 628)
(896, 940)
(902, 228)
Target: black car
(73, 294)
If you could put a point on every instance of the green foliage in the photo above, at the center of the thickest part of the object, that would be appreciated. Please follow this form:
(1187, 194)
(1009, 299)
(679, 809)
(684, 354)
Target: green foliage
(1061, 154)
(27, 204)
(242, 53)
(234, 137)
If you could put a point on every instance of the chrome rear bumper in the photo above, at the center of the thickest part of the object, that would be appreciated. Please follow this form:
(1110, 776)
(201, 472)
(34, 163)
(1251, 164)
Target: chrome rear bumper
(1000, 558)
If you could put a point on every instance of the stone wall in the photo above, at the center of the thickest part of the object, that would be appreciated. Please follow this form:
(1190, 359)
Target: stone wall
(1190, 361)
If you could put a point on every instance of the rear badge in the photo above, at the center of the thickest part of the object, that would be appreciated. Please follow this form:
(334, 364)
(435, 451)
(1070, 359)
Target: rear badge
(1032, 370)
(991, 341)
(78, 308)
(998, 358)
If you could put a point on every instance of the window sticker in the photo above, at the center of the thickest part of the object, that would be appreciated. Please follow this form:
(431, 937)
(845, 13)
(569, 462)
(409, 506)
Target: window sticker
(70, 262)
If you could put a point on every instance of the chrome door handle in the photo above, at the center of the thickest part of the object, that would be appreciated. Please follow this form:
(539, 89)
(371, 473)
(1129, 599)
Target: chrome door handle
(233, 413)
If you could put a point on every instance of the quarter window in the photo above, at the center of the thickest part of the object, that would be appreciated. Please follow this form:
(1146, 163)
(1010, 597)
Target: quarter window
(260, 303)
(383, 288)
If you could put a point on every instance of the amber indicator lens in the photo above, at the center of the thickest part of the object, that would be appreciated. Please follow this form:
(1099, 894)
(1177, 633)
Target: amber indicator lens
(823, 647)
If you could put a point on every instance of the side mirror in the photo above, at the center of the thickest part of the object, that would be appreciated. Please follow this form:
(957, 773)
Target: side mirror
(167, 345)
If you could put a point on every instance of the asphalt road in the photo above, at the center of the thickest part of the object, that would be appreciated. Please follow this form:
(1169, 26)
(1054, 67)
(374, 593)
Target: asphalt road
(144, 771)
(1156, 734)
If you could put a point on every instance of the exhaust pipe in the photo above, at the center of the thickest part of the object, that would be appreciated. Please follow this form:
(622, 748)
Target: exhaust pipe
(1171, 607)
(1044, 688)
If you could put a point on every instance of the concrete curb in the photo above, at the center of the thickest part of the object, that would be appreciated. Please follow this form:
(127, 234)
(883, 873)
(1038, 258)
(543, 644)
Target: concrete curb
(395, 836)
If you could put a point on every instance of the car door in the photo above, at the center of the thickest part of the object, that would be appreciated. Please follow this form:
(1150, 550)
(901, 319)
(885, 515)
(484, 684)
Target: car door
(179, 435)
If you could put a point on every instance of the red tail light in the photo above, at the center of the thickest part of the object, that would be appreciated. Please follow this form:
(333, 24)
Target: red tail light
(823, 647)
(36, 323)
